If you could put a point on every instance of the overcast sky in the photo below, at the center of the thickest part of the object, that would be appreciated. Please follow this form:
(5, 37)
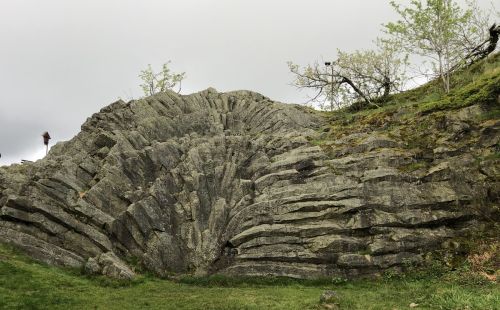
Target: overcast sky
(62, 60)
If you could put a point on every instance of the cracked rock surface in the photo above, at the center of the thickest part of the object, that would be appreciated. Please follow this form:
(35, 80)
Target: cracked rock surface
(232, 183)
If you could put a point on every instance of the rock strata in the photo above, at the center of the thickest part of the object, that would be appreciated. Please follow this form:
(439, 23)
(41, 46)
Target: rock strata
(233, 183)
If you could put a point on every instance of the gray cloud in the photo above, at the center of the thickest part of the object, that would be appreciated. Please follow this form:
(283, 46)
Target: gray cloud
(61, 61)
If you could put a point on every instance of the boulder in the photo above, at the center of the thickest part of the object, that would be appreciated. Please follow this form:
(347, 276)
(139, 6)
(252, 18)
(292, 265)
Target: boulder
(110, 265)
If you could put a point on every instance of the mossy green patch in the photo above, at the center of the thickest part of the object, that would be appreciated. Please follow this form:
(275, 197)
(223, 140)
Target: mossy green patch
(484, 91)
(412, 167)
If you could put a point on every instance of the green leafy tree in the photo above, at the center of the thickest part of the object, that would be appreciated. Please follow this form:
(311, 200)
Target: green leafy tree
(159, 82)
(433, 29)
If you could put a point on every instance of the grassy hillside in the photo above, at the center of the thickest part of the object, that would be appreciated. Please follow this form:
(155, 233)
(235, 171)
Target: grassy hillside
(25, 284)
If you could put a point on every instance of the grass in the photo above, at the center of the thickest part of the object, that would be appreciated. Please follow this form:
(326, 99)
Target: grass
(25, 284)
(483, 91)
(477, 84)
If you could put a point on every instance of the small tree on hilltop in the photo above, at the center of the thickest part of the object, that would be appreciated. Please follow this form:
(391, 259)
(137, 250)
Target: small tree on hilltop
(329, 83)
(360, 77)
(159, 82)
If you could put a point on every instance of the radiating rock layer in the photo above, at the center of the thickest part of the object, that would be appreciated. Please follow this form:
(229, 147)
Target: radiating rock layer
(233, 183)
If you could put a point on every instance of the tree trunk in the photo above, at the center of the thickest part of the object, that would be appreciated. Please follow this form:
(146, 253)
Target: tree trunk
(358, 91)
(387, 87)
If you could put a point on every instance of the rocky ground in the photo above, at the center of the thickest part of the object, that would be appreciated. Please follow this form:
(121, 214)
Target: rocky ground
(235, 183)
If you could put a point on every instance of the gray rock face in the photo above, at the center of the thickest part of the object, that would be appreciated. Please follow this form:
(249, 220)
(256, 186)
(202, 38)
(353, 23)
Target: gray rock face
(230, 183)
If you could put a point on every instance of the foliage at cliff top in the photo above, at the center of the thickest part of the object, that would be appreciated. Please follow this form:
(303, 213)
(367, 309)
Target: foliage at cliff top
(477, 84)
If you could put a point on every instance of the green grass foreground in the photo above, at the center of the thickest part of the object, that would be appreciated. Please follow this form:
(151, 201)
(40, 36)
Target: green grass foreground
(25, 284)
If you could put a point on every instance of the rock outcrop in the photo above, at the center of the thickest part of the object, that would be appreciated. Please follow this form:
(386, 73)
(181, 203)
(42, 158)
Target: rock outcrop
(235, 183)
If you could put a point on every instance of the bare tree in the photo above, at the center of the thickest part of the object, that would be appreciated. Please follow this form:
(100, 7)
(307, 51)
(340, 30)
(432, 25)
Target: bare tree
(378, 73)
(357, 78)
(328, 82)
(483, 49)
(479, 36)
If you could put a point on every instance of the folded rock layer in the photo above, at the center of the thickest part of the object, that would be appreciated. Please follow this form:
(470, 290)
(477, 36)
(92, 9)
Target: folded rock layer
(231, 183)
